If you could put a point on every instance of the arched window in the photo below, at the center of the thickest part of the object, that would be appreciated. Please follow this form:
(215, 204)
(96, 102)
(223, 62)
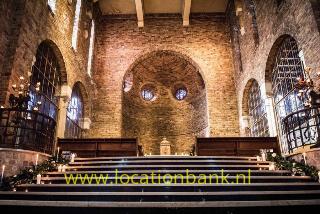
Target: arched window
(74, 114)
(46, 72)
(257, 112)
(288, 66)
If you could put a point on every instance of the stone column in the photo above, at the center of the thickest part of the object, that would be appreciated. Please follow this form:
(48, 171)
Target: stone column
(245, 126)
(271, 116)
(64, 99)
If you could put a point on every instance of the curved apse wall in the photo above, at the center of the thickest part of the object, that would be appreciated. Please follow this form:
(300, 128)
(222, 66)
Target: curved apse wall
(157, 113)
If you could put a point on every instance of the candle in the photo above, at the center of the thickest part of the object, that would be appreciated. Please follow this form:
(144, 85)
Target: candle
(304, 158)
(263, 156)
(63, 168)
(38, 179)
(272, 166)
(60, 168)
(72, 157)
(150, 154)
(2, 172)
(258, 158)
(58, 153)
(319, 176)
(37, 158)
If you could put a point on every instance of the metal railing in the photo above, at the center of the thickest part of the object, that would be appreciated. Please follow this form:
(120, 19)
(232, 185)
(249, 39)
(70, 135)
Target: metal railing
(302, 128)
(25, 129)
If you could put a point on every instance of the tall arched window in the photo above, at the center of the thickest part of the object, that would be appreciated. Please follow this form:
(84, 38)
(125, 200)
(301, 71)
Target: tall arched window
(74, 114)
(257, 112)
(288, 66)
(46, 72)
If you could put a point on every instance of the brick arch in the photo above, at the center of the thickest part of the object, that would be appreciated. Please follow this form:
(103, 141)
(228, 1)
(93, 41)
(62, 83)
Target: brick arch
(245, 97)
(85, 98)
(175, 50)
(271, 60)
(59, 57)
(163, 72)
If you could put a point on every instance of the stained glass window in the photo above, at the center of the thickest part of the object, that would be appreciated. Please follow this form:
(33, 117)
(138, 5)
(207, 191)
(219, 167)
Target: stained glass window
(147, 94)
(181, 93)
(74, 114)
(76, 25)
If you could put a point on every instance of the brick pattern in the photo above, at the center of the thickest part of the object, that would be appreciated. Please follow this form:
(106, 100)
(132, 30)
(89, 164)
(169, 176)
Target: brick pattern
(164, 72)
(15, 160)
(119, 43)
(33, 23)
(295, 18)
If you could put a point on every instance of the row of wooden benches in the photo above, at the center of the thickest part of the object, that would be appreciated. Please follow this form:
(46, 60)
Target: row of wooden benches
(215, 146)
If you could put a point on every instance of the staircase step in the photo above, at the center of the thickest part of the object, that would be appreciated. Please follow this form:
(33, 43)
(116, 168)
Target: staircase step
(179, 179)
(183, 172)
(168, 187)
(168, 162)
(162, 196)
(163, 167)
(168, 157)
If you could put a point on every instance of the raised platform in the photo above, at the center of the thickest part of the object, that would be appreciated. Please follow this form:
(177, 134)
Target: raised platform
(266, 189)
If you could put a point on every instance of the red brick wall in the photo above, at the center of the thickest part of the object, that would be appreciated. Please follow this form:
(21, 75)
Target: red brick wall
(206, 42)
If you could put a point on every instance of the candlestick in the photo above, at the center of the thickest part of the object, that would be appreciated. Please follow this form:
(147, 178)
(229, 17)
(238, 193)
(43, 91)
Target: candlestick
(38, 179)
(304, 158)
(272, 166)
(60, 168)
(58, 153)
(2, 172)
(37, 158)
(258, 158)
(72, 157)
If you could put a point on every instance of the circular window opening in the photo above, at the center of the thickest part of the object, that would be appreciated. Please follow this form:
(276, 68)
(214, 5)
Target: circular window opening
(147, 94)
(181, 93)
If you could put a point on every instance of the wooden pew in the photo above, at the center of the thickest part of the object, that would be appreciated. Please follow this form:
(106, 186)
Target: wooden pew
(100, 147)
(235, 146)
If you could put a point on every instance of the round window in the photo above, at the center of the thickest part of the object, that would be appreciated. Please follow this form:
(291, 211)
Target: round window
(181, 93)
(147, 94)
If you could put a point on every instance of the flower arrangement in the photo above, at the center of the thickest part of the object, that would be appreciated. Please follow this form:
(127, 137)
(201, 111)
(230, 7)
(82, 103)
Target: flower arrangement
(297, 168)
(307, 89)
(29, 174)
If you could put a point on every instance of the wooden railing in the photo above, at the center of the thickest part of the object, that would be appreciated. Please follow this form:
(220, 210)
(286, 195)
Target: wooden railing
(236, 146)
(101, 147)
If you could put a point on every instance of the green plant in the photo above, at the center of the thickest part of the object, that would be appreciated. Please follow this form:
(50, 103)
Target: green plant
(28, 174)
(297, 168)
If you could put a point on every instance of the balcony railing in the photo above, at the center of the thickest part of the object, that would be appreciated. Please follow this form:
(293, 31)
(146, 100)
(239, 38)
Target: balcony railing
(302, 128)
(24, 129)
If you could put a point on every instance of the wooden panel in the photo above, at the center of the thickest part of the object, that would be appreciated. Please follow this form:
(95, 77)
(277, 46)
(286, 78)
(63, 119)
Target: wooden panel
(93, 147)
(238, 146)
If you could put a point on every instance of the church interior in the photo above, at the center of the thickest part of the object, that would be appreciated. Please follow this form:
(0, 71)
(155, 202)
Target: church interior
(171, 106)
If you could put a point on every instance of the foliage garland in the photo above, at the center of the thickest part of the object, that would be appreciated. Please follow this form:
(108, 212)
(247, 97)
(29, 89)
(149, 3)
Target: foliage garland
(297, 168)
(29, 174)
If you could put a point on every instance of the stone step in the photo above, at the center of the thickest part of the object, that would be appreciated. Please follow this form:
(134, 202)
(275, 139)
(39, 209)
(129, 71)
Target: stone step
(178, 179)
(170, 157)
(263, 206)
(183, 172)
(221, 187)
(167, 162)
(164, 167)
(162, 196)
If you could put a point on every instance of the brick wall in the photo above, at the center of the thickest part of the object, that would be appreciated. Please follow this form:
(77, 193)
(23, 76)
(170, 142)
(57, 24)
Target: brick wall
(119, 43)
(26, 24)
(15, 160)
(295, 18)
